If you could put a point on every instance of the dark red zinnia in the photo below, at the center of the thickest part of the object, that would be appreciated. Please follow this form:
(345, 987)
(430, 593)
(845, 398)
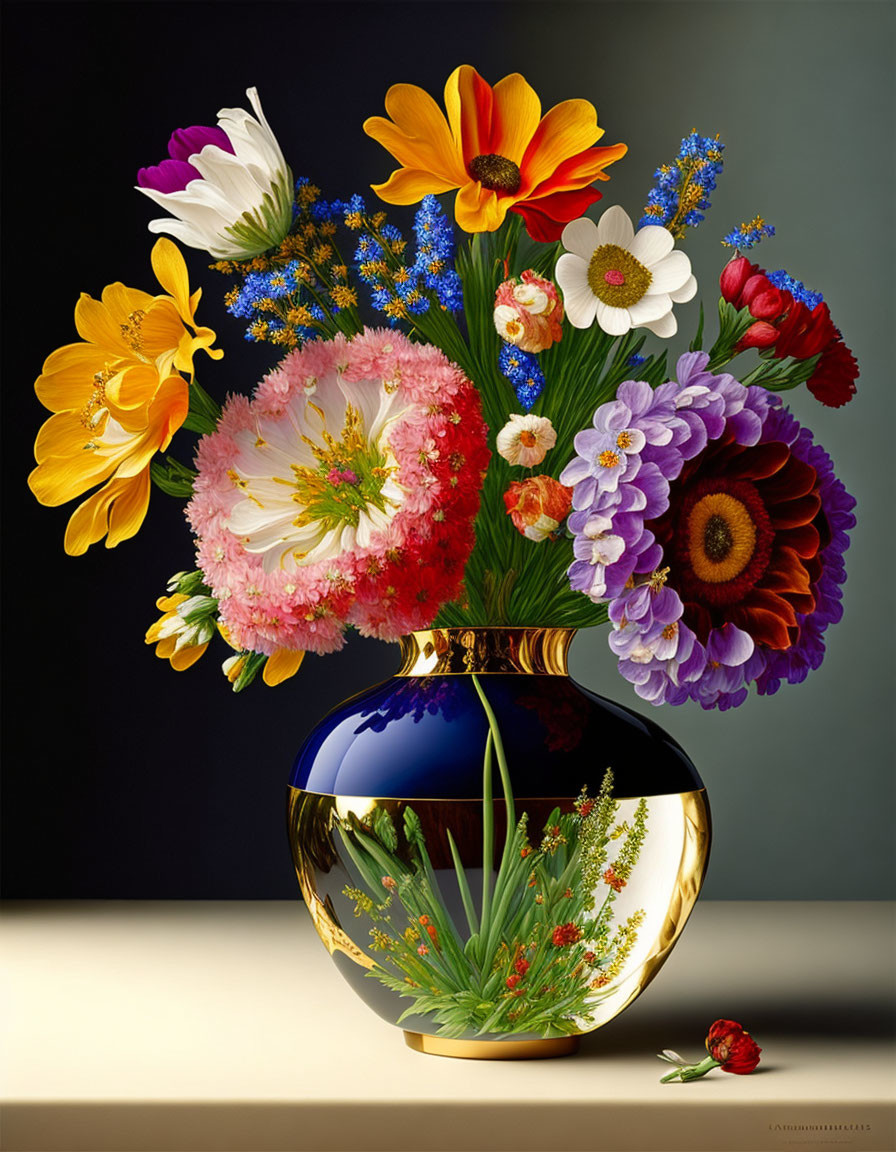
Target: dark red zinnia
(745, 528)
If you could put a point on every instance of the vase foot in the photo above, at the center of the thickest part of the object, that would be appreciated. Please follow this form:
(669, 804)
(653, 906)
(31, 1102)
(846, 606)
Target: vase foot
(492, 1049)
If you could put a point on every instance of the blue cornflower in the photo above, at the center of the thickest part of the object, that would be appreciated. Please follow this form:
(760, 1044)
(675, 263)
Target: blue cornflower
(796, 288)
(524, 373)
(380, 297)
(354, 211)
(278, 284)
(368, 249)
(323, 211)
(748, 234)
(635, 360)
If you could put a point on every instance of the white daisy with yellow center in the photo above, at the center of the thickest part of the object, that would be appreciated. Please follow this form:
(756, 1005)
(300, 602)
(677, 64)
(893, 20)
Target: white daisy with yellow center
(318, 478)
(620, 278)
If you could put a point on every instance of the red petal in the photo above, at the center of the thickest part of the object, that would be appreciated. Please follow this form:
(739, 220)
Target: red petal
(796, 478)
(546, 217)
(761, 461)
(805, 540)
(734, 276)
(795, 513)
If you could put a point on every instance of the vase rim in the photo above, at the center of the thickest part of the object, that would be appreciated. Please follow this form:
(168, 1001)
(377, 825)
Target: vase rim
(495, 650)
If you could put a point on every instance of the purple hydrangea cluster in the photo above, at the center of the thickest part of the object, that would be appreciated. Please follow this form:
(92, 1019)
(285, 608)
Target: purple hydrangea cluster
(622, 477)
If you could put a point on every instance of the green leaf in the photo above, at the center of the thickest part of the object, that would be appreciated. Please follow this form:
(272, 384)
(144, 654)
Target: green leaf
(174, 478)
(204, 412)
(697, 343)
(464, 887)
(384, 829)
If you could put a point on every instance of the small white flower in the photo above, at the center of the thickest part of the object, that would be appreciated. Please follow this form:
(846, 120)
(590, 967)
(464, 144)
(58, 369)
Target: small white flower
(508, 323)
(526, 440)
(240, 203)
(620, 278)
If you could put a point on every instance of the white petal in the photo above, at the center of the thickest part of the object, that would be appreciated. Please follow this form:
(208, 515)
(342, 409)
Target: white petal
(187, 233)
(670, 273)
(665, 327)
(686, 292)
(615, 227)
(580, 237)
(649, 308)
(615, 321)
(235, 181)
(571, 274)
(651, 244)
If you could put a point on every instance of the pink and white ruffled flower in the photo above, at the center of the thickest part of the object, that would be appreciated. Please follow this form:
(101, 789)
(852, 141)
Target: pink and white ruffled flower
(528, 312)
(716, 535)
(342, 493)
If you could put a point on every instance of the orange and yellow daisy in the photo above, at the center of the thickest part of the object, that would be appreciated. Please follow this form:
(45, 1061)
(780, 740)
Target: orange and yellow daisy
(496, 149)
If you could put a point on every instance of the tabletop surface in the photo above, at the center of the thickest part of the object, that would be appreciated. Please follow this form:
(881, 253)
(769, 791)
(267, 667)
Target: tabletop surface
(224, 1025)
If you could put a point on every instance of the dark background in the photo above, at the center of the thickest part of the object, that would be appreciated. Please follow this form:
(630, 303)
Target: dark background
(125, 779)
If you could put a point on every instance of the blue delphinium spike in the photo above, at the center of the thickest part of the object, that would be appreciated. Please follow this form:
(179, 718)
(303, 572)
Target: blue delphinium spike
(680, 195)
(524, 373)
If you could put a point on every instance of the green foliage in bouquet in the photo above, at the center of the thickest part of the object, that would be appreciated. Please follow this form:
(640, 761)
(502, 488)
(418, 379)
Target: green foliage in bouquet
(539, 952)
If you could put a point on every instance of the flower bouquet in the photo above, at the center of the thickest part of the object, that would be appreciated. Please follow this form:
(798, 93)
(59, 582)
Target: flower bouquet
(475, 439)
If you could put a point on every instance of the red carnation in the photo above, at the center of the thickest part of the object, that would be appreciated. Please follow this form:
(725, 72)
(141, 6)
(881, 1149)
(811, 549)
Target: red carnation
(834, 380)
(734, 1049)
(512, 981)
(730, 1048)
(522, 966)
(566, 934)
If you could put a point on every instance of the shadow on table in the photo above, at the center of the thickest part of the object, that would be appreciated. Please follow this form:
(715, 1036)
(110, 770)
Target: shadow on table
(841, 1019)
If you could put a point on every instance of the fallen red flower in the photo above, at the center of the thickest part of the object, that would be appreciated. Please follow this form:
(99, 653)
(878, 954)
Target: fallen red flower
(734, 1049)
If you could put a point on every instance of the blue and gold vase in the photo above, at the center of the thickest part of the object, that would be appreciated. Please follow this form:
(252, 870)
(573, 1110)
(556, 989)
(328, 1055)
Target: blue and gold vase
(497, 859)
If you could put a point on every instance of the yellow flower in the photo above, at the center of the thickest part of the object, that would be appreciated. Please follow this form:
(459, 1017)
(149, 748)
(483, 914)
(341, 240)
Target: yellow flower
(82, 447)
(174, 639)
(117, 399)
(129, 327)
(280, 666)
(497, 149)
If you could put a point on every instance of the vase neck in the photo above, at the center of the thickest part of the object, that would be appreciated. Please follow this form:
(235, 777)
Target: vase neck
(488, 651)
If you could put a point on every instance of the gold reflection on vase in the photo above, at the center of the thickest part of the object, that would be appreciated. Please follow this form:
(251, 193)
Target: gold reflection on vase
(665, 884)
(486, 651)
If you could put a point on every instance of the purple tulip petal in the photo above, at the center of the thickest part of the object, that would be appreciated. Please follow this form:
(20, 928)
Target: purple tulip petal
(169, 176)
(186, 142)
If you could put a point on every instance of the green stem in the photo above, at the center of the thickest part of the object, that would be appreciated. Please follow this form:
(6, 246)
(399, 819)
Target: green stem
(488, 830)
(691, 1071)
(465, 893)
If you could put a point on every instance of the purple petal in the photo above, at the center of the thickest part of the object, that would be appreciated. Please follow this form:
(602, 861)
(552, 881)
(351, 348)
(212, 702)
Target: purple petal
(186, 142)
(637, 395)
(169, 176)
(729, 645)
(689, 365)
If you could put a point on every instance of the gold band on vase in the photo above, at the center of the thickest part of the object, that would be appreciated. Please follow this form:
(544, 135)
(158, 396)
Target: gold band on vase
(537, 1049)
(486, 651)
